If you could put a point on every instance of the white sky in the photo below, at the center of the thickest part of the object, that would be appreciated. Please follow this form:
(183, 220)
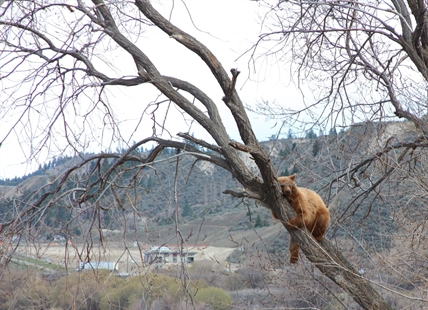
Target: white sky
(227, 28)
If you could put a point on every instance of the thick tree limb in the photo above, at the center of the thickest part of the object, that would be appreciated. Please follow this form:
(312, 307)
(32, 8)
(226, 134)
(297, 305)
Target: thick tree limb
(242, 194)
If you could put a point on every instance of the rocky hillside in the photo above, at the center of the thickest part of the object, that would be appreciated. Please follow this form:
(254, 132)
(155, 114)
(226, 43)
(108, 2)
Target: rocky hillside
(147, 206)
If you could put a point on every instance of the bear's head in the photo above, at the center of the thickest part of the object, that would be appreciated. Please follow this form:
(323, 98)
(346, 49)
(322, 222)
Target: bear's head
(287, 184)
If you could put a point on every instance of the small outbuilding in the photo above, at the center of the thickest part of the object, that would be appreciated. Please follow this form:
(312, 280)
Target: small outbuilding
(163, 255)
(110, 266)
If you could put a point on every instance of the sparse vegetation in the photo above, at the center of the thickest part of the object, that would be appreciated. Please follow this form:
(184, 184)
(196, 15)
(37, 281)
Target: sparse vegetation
(102, 291)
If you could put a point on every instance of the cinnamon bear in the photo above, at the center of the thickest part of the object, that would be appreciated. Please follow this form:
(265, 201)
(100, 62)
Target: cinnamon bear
(311, 212)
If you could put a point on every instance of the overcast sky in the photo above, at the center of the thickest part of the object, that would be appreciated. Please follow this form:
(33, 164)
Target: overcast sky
(228, 28)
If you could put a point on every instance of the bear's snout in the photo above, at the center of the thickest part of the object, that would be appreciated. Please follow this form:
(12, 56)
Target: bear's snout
(286, 191)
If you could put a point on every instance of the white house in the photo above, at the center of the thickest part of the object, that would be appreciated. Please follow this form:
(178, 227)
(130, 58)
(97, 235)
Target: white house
(163, 255)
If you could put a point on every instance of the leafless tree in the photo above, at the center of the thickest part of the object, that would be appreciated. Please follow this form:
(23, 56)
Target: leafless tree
(59, 49)
(365, 58)
(362, 66)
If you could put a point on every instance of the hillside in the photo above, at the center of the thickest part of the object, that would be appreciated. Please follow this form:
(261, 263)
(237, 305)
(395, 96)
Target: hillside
(378, 219)
(25, 187)
(145, 208)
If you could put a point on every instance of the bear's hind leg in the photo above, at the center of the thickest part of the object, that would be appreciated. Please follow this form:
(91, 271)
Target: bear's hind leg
(294, 252)
(321, 225)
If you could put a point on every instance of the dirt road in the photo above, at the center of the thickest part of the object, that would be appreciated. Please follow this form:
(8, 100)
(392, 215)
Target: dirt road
(126, 259)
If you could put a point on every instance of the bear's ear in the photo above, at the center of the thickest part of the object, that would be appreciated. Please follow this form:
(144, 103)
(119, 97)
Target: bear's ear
(292, 177)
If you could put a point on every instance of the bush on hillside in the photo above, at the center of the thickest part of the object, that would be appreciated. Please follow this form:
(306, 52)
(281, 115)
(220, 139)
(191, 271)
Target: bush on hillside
(216, 297)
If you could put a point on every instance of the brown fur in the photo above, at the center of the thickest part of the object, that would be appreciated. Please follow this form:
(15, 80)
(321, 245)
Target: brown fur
(311, 212)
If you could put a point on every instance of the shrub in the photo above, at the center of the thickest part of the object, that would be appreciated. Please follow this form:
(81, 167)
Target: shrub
(31, 293)
(235, 282)
(121, 298)
(80, 289)
(216, 297)
(253, 278)
(211, 273)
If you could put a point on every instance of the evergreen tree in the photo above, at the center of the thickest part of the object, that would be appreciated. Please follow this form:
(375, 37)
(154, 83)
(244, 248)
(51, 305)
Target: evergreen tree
(286, 171)
(187, 210)
(294, 170)
(272, 138)
(310, 134)
(316, 148)
(332, 132)
(293, 146)
(266, 221)
(284, 152)
(259, 222)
